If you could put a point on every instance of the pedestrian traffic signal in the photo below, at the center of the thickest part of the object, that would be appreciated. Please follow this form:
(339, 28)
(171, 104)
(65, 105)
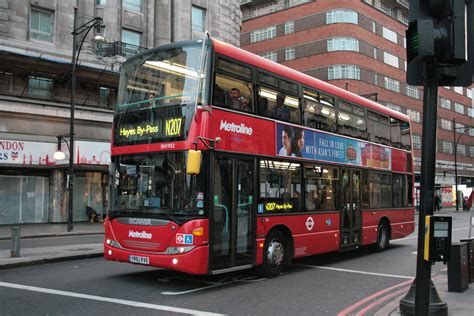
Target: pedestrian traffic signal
(441, 32)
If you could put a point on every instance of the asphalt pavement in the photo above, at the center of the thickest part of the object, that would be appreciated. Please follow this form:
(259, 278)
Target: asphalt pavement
(45, 252)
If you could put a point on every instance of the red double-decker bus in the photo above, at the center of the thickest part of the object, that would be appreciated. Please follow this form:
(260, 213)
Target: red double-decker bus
(223, 160)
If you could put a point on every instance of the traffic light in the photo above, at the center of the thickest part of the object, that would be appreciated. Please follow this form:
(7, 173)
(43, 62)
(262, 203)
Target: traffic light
(441, 32)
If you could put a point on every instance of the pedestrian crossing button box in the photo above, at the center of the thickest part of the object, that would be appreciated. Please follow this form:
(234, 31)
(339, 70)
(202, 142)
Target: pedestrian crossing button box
(437, 238)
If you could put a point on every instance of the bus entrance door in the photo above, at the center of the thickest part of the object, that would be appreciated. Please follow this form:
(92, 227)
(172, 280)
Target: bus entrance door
(231, 215)
(350, 208)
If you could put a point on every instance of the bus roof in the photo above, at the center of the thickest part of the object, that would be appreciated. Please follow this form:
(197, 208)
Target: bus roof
(258, 61)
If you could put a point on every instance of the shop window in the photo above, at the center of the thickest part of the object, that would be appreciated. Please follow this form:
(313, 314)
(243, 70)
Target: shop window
(321, 188)
(233, 93)
(351, 120)
(280, 187)
(319, 111)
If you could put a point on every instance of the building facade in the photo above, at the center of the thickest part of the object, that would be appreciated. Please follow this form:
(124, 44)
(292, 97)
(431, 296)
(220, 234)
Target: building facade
(35, 91)
(361, 46)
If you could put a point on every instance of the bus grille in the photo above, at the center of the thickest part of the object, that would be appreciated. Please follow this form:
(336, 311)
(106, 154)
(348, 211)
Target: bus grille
(141, 244)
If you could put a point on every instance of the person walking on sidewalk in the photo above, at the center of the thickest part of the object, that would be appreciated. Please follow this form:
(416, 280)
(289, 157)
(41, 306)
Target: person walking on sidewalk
(437, 203)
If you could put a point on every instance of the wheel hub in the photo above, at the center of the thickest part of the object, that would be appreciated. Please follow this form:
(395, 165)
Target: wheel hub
(276, 252)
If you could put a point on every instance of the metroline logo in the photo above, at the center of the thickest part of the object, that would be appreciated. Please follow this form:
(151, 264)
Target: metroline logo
(232, 127)
(142, 234)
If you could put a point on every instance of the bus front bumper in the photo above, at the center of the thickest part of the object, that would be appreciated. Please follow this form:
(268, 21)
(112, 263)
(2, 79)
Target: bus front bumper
(193, 262)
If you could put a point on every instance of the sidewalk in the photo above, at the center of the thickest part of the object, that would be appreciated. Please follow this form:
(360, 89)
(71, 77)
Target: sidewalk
(48, 253)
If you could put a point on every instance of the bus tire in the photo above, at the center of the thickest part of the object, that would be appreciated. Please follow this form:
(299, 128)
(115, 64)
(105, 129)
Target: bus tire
(275, 254)
(383, 236)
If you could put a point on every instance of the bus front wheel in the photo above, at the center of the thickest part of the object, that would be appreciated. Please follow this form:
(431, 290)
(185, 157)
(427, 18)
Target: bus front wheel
(275, 254)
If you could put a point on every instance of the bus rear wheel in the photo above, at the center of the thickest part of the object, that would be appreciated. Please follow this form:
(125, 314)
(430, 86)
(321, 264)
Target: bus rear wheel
(383, 237)
(275, 254)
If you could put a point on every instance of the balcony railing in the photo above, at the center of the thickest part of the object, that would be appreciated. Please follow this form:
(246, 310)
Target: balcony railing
(119, 48)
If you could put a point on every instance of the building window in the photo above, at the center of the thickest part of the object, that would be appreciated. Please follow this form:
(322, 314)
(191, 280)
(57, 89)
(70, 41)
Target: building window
(133, 5)
(446, 124)
(390, 59)
(131, 37)
(414, 115)
(41, 25)
(100, 2)
(447, 147)
(458, 90)
(470, 112)
(289, 27)
(412, 92)
(198, 19)
(459, 108)
(461, 149)
(343, 72)
(416, 141)
(459, 128)
(270, 56)
(40, 86)
(393, 107)
(445, 103)
(263, 34)
(471, 151)
(343, 43)
(289, 53)
(341, 16)
(390, 35)
(104, 96)
(469, 93)
(392, 84)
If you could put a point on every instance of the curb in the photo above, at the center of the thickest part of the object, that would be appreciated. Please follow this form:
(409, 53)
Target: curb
(51, 260)
(54, 235)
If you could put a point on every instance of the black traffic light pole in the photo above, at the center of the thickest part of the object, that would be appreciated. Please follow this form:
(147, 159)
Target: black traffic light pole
(422, 298)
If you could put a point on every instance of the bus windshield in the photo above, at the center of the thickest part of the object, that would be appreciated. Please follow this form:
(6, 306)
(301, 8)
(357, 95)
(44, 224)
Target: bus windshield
(154, 185)
(168, 76)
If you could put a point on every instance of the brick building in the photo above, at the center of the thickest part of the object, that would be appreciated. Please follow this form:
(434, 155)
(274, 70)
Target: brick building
(360, 46)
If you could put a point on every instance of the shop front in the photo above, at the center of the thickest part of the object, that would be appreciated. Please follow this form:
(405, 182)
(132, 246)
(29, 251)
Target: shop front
(33, 185)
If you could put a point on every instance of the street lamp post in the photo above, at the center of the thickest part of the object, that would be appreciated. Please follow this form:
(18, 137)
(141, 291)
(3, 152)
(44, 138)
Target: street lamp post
(464, 129)
(85, 28)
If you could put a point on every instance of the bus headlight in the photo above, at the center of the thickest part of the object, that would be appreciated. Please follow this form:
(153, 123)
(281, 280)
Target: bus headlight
(178, 250)
(113, 243)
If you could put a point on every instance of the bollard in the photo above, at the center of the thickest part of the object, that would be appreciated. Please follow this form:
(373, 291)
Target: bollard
(15, 251)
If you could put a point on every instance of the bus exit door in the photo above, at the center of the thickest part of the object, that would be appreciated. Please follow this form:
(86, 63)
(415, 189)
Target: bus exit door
(351, 229)
(231, 217)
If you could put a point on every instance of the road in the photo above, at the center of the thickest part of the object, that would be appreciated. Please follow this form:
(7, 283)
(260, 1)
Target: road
(358, 281)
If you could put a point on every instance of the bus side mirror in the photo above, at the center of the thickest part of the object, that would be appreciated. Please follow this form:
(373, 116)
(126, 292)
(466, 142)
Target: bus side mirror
(193, 164)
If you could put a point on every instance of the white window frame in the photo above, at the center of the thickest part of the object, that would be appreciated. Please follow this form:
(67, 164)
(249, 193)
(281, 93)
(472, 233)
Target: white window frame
(415, 116)
(391, 60)
(445, 103)
(37, 34)
(413, 92)
(342, 16)
(390, 35)
(447, 124)
(459, 108)
(263, 34)
(270, 56)
(342, 44)
(343, 72)
(447, 147)
(392, 84)
(461, 149)
(416, 141)
(289, 27)
(290, 53)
